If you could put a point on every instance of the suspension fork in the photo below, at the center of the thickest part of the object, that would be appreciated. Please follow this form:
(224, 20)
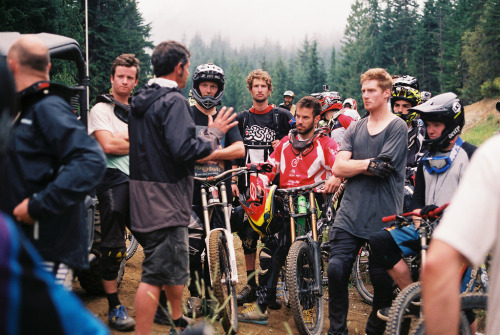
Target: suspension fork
(318, 287)
(229, 236)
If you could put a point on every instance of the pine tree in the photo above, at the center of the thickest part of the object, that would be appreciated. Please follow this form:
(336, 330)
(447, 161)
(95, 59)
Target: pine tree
(115, 27)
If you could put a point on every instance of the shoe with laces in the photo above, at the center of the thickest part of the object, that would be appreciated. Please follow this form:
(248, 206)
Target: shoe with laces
(246, 295)
(252, 314)
(119, 319)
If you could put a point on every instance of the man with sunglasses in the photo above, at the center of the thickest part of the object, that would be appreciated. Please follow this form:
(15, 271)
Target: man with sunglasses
(437, 177)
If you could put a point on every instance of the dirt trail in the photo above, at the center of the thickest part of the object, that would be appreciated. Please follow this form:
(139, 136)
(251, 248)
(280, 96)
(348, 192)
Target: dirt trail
(358, 311)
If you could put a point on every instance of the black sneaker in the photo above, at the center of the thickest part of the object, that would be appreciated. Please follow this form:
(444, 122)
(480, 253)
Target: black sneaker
(383, 314)
(119, 319)
(162, 317)
(246, 295)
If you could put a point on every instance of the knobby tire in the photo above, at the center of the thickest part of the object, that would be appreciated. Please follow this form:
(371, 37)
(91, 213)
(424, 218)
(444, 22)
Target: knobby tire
(300, 279)
(224, 290)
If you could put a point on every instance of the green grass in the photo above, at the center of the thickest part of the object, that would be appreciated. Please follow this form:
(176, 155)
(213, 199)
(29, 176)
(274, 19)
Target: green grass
(483, 130)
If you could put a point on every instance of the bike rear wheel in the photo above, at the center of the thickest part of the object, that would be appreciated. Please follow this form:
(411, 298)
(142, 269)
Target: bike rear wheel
(361, 276)
(224, 290)
(131, 243)
(307, 307)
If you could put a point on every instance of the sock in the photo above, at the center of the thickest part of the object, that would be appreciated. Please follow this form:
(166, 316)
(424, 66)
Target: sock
(180, 323)
(252, 282)
(113, 300)
(163, 299)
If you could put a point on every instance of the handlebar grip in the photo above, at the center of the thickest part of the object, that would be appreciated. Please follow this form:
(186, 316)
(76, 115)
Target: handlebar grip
(386, 219)
(438, 210)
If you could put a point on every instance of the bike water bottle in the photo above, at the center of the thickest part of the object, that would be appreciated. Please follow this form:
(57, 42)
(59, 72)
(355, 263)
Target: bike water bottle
(302, 209)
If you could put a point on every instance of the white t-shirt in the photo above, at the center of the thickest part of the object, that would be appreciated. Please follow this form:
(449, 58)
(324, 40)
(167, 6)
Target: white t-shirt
(471, 224)
(102, 117)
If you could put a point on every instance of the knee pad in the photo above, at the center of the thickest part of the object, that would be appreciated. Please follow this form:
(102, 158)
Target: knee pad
(384, 251)
(110, 261)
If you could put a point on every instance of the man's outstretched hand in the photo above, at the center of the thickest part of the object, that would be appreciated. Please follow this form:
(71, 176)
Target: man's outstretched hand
(224, 120)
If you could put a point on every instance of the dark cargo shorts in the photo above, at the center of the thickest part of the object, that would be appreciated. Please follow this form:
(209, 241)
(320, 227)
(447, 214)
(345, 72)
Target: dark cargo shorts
(166, 257)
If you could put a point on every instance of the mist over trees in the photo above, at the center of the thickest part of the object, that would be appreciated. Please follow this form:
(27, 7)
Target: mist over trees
(449, 45)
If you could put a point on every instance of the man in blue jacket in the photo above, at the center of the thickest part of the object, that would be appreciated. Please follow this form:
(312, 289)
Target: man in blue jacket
(164, 146)
(51, 163)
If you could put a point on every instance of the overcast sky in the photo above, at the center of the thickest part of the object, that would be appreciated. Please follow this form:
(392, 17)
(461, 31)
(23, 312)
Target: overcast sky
(245, 22)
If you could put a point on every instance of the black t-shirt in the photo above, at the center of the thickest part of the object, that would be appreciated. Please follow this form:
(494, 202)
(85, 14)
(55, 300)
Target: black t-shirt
(214, 167)
(260, 130)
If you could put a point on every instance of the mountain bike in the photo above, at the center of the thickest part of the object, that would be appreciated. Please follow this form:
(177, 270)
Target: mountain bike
(405, 312)
(303, 264)
(220, 247)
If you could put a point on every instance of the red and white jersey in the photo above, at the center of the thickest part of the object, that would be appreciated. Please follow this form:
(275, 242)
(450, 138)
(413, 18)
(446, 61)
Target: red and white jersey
(305, 168)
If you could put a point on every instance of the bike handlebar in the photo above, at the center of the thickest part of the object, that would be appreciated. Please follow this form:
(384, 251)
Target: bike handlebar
(222, 175)
(432, 214)
(300, 188)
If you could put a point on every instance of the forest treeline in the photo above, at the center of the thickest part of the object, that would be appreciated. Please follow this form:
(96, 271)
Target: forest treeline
(449, 45)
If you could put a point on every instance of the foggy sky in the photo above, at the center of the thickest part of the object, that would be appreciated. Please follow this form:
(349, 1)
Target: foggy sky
(247, 22)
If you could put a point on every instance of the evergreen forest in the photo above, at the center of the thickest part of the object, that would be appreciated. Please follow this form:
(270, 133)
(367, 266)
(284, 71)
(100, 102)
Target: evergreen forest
(449, 45)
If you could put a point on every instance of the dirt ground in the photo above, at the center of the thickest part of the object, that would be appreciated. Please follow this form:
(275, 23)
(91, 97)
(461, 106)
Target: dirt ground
(358, 311)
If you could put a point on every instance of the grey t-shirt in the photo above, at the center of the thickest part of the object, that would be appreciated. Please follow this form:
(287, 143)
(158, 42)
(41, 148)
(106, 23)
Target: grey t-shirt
(368, 198)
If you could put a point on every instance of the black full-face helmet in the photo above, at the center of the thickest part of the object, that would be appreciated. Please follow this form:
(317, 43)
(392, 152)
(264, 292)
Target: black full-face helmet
(208, 72)
(446, 108)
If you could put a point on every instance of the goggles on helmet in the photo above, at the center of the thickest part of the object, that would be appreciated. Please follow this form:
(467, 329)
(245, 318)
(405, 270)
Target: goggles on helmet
(439, 164)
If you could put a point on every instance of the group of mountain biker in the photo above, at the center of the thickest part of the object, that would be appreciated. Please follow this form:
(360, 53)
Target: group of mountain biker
(319, 141)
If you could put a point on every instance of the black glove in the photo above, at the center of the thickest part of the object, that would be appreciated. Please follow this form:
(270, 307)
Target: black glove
(380, 167)
(427, 209)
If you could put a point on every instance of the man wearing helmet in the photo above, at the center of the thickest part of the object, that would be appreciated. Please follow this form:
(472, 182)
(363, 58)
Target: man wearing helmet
(373, 156)
(207, 90)
(405, 95)
(261, 127)
(303, 157)
(438, 174)
(287, 104)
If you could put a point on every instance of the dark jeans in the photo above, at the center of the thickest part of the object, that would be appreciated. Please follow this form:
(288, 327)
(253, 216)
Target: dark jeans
(344, 248)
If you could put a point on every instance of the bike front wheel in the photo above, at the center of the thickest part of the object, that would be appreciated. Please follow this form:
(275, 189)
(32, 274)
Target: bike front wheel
(307, 307)
(224, 290)
(405, 313)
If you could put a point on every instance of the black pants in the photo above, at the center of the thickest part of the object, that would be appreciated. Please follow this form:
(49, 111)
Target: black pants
(344, 248)
(272, 257)
(114, 211)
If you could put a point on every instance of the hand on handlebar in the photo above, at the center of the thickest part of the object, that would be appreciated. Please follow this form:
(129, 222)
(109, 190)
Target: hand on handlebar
(235, 190)
(331, 185)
